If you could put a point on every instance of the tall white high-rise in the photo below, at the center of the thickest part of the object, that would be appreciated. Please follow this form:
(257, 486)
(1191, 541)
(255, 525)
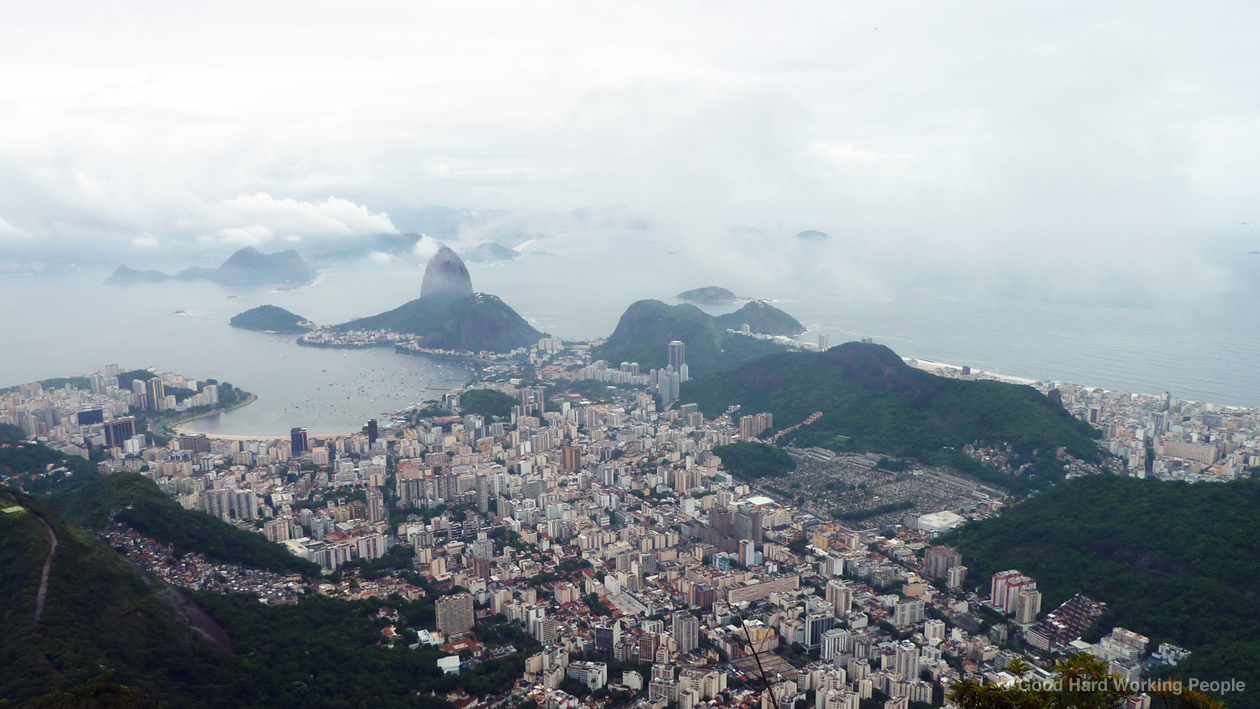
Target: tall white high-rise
(677, 355)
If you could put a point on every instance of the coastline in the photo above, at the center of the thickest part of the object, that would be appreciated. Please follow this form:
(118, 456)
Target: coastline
(174, 427)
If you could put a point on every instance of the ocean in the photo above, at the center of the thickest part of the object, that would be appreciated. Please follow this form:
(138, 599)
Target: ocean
(70, 323)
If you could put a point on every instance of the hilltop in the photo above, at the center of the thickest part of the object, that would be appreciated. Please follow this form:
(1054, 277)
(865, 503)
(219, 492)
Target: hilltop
(246, 267)
(142, 505)
(270, 318)
(449, 315)
(872, 401)
(1175, 562)
(648, 326)
(709, 295)
(763, 319)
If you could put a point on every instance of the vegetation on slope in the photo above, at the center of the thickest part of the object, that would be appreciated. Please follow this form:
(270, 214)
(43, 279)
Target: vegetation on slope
(482, 322)
(750, 460)
(1176, 562)
(137, 501)
(761, 318)
(107, 636)
(647, 327)
(270, 318)
(487, 402)
(102, 624)
(872, 401)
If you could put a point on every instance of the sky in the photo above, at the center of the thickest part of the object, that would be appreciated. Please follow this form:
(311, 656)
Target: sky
(1066, 149)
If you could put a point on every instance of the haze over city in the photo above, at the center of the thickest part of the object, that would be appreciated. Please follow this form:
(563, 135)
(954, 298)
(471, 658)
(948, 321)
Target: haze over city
(629, 356)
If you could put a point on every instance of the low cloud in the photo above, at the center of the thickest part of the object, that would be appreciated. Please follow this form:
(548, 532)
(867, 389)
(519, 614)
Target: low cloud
(332, 217)
(426, 247)
(8, 231)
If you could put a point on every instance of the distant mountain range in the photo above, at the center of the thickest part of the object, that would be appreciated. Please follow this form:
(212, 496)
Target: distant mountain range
(872, 401)
(648, 326)
(246, 267)
(449, 315)
(490, 252)
(271, 318)
(813, 235)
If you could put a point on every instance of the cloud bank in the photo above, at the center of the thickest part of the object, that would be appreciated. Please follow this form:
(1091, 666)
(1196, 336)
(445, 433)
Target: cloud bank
(1062, 150)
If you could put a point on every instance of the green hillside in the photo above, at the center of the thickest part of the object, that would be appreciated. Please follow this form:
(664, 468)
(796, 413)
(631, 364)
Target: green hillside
(111, 637)
(1176, 562)
(648, 326)
(480, 322)
(761, 318)
(101, 623)
(487, 402)
(140, 503)
(873, 402)
(270, 318)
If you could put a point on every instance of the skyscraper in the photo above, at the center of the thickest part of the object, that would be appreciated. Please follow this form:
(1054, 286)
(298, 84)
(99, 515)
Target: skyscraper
(119, 430)
(939, 560)
(824, 343)
(297, 441)
(455, 613)
(840, 596)
(372, 431)
(686, 632)
(375, 505)
(677, 355)
(154, 392)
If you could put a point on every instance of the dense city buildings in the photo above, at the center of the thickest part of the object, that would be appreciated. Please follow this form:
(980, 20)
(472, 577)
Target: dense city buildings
(601, 523)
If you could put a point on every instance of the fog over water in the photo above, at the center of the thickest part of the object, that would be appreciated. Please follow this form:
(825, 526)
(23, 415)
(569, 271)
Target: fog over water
(1056, 191)
(579, 290)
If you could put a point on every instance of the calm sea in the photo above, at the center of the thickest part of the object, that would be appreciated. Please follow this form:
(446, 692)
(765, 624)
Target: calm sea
(70, 323)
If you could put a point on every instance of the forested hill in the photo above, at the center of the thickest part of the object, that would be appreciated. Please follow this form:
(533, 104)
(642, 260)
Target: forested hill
(270, 318)
(98, 613)
(473, 323)
(112, 637)
(1176, 562)
(872, 401)
(647, 327)
(139, 503)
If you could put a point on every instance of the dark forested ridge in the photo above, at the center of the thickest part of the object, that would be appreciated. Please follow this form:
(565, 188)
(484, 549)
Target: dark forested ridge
(1176, 562)
(108, 635)
(647, 327)
(101, 624)
(137, 501)
(872, 401)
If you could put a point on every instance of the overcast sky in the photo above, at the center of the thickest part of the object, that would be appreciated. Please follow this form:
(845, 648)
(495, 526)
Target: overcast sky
(1106, 142)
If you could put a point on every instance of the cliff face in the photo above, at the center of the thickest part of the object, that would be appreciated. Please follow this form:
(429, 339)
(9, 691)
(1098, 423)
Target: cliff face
(446, 275)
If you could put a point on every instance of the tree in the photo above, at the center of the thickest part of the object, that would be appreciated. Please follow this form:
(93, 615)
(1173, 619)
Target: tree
(1080, 682)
